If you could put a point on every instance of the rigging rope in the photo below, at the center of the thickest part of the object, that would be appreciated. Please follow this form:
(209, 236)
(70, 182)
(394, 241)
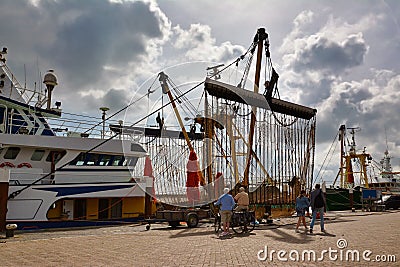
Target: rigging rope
(16, 193)
(326, 156)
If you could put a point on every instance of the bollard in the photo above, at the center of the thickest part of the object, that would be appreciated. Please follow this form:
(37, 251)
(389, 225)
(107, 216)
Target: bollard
(10, 230)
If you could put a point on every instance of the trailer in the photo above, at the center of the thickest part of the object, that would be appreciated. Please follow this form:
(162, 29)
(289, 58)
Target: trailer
(175, 217)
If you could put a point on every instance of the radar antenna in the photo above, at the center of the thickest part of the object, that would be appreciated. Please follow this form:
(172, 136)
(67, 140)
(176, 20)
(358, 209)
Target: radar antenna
(213, 72)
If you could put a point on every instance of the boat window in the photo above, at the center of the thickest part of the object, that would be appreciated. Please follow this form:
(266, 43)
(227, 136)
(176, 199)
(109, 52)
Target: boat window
(79, 160)
(118, 160)
(137, 147)
(12, 153)
(38, 154)
(105, 160)
(92, 159)
(56, 154)
(130, 161)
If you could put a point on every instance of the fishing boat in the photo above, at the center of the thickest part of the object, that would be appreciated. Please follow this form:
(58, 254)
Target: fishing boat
(63, 171)
(238, 133)
(355, 174)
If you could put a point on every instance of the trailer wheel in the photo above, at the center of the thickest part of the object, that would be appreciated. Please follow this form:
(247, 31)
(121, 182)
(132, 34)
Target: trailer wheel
(192, 220)
(173, 224)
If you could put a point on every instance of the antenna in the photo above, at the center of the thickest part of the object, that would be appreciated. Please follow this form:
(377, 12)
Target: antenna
(353, 131)
(214, 72)
(25, 76)
(387, 147)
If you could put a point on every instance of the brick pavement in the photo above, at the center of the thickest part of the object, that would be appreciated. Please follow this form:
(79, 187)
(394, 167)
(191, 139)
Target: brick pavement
(131, 245)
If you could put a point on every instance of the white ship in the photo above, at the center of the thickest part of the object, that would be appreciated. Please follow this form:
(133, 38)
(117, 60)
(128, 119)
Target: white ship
(52, 176)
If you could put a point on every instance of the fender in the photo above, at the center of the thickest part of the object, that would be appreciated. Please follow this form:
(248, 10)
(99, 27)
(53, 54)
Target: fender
(7, 164)
(25, 164)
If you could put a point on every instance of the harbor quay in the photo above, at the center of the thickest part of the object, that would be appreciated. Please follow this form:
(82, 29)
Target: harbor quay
(352, 239)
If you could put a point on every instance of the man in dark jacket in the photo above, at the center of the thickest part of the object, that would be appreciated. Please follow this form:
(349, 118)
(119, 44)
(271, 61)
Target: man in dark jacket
(318, 203)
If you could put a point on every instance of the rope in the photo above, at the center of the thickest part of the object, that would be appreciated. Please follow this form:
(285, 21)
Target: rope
(16, 193)
(326, 156)
(281, 123)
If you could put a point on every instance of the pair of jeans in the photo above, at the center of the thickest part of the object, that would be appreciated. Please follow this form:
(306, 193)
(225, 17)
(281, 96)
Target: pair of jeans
(314, 217)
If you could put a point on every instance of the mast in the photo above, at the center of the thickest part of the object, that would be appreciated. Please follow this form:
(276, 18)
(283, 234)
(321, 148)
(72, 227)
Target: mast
(208, 142)
(163, 80)
(342, 134)
(346, 169)
(259, 38)
(164, 85)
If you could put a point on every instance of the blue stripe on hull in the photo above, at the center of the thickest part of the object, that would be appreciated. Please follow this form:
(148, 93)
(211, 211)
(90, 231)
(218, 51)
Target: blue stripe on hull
(68, 191)
(39, 225)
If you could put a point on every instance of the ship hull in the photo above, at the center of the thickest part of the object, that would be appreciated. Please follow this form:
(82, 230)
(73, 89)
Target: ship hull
(339, 199)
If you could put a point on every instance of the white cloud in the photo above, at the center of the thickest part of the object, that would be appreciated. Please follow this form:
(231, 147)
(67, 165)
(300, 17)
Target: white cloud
(102, 50)
(199, 44)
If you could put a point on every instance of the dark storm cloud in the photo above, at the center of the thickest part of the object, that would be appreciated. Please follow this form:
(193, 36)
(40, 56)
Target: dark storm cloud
(79, 38)
(313, 92)
(102, 34)
(114, 99)
(369, 104)
(325, 54)
(325, 69)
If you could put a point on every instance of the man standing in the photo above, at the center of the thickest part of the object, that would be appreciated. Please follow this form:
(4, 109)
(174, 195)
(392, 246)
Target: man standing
(227, 203)
(242, 199)
(317, 205)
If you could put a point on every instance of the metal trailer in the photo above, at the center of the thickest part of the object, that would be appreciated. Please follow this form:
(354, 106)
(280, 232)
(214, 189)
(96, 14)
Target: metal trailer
(175, 217)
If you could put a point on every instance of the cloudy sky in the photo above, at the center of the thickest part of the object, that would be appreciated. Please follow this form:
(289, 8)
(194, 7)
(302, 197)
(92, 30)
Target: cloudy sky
(340, 57)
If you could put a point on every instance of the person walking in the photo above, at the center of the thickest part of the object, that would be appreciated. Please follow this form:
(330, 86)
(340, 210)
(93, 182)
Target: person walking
(302, 204)
(318, 203)
(227, 203)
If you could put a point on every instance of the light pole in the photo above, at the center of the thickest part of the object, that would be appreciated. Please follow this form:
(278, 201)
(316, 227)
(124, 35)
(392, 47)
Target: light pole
(103, 118)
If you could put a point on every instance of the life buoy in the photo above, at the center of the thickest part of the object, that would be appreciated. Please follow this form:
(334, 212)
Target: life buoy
(7, 164)
(25, 164)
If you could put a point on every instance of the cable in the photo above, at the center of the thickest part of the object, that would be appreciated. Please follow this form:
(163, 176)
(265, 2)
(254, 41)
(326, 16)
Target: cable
(16, 193)
(327, 154)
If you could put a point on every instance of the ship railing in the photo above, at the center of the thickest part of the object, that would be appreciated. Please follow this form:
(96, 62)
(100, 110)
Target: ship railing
(28, 95)
(86, 126)
(71, 125)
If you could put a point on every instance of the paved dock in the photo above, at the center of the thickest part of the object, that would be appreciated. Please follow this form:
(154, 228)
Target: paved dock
(373, 236)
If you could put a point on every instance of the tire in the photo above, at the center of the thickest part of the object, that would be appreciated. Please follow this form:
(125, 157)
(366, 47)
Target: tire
(237, 225)
(173, 224)
(243, 224)
(192, 220)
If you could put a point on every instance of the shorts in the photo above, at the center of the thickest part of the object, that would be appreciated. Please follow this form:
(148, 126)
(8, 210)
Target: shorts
(301, 212)
(225, 216)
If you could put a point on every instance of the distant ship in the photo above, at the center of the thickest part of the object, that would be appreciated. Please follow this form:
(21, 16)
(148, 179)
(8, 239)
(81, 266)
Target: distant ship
(354, 177)
(388, 182)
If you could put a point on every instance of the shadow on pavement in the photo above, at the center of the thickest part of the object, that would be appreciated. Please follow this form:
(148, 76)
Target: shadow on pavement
(189, 232)
(283, 236)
